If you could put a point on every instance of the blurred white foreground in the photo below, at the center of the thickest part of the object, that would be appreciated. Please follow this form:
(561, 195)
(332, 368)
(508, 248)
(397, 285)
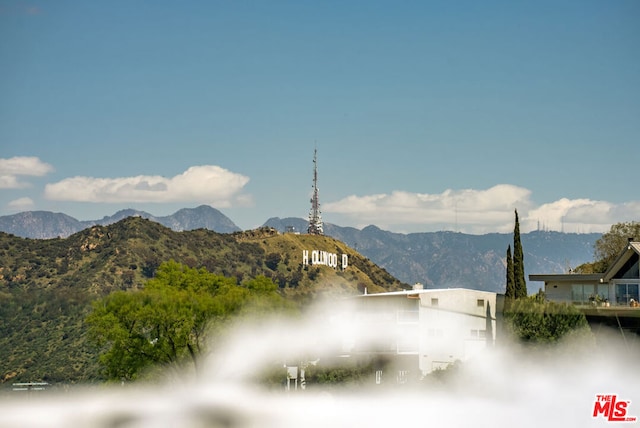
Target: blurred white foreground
(500, 387)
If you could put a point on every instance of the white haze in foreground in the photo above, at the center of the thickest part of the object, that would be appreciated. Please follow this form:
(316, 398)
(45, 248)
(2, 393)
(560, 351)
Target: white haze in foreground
(502, 387)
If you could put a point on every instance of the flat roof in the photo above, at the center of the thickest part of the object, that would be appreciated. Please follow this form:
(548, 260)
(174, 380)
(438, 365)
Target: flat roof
(423, 291)
(566, 277)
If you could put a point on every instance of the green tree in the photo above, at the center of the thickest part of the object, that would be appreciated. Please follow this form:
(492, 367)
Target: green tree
(609, 246)
(264, 298)
(510, 292)
(518, 263)
(535, 321)
(272, 260)
(166, 322)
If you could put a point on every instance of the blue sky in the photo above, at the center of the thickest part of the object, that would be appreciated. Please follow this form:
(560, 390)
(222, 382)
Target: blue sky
(426, 115)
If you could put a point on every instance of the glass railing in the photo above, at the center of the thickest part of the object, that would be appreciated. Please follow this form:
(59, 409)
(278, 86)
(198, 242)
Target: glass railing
(607, 304)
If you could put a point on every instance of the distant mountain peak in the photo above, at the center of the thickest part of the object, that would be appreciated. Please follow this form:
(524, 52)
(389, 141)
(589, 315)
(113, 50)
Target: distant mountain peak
(46, 224)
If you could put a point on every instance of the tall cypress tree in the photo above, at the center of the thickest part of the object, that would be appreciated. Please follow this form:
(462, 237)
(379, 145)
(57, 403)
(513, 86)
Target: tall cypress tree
(511, 289)
(518, 263)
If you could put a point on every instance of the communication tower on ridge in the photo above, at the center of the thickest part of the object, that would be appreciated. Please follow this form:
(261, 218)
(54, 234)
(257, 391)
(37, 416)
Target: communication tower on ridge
(315, 217)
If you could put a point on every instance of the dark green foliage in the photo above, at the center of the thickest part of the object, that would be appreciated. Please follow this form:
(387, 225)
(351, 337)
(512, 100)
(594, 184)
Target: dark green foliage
(535, 321)
(296, 277)
(520, 284)
(510, 292)
(347, 374)
(150, 265)
(444, 375)
(341, 375)
(34, 327)
(598, 266)
(313, 273)
(166, 321)
(272, 260)
(610, 245)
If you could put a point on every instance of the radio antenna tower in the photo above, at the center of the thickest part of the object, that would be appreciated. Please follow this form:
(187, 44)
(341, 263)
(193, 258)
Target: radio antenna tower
(315, 217)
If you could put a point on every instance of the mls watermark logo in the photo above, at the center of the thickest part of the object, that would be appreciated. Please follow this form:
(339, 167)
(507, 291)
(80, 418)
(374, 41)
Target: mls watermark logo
(612, 409)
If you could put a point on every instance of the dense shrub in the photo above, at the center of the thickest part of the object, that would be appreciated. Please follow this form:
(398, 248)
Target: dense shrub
(534, 320)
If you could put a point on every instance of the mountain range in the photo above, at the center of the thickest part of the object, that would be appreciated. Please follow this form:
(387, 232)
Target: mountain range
(435, 259)
(46, 224)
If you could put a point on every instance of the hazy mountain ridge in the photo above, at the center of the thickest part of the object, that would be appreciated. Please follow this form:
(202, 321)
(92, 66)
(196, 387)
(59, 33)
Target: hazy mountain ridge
(46, 224)
(436, 259)
(452, 259)
(40, 224)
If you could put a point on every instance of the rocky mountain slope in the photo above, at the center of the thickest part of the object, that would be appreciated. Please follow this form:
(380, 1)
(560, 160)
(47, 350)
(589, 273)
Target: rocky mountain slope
(450, 259)
(47, 285)
(436, 259)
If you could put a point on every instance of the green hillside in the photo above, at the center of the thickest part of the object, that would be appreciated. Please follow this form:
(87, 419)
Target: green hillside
(47, 286)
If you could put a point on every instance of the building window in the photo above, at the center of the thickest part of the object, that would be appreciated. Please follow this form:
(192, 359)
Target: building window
(582, 293)
(434, 301)
(626, 292)
(403, 375)
(480, 303)
(378, 377)
(602, 290)
(478, 334)
(435, 332)
(576, 293)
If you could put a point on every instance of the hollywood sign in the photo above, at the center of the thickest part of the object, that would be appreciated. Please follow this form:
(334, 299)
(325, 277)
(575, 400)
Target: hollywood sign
(324, 258)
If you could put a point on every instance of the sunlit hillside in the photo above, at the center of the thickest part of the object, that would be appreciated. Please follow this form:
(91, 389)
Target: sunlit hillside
(47, 286)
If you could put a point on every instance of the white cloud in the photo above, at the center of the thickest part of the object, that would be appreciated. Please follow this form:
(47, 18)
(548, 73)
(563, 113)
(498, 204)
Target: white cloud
(21, 204)
(11, 182)
(12, 168)
(583, 215)
(480, 211)
(468, 210)
(207, 184)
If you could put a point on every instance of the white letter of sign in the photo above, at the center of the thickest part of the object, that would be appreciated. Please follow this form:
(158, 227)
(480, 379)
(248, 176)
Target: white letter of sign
(345, 261)
(305, 257)
(334, 260)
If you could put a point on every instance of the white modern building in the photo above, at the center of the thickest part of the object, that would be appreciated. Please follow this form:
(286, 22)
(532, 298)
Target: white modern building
(455, 324)
(421, 330)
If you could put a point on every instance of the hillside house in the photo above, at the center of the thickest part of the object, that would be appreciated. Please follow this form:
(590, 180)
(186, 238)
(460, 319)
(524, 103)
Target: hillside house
(610, 298)
(617, 287)
(421, 330)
